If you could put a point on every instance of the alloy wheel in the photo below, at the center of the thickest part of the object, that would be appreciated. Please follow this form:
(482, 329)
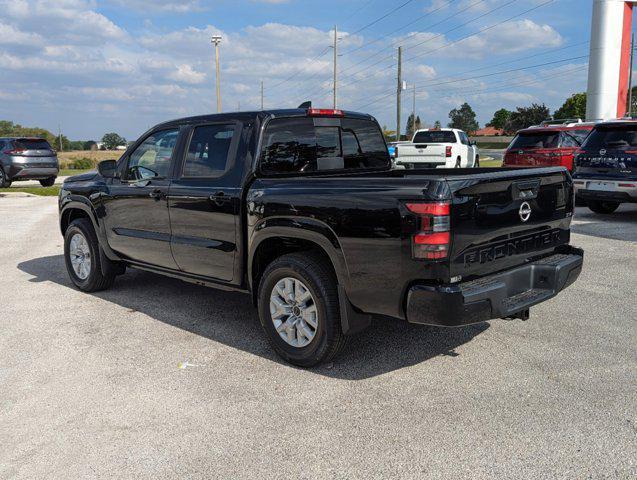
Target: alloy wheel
(293, 311)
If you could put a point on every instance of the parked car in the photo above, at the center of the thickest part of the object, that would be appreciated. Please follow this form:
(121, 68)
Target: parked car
(606, 167)
(547, 145)
(300, 209)
(27, 159)
(438, 148)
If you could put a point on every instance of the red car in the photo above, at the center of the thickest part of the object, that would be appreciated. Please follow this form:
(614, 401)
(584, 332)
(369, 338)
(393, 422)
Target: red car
(547, 145)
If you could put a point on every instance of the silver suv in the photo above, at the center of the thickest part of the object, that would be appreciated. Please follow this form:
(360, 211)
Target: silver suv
(27, 159)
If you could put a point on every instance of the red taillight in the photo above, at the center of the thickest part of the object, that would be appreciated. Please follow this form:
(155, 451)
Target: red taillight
(432, 240)
(324, 112)
(448, 151)
(441, 208)
(15, 151)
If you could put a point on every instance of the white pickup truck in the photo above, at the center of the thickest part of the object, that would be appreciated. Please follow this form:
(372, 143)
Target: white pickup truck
(437, 148)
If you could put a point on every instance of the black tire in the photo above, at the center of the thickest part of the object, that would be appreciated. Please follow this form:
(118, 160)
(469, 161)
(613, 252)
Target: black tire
(4, 181)
(477, 164)
(96, 280)
(601, 207)
(48, 182)
(458, 162)
(311, 269)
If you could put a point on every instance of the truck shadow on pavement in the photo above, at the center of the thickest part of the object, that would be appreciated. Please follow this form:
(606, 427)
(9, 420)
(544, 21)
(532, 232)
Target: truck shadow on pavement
(230, 318)
(621, 225)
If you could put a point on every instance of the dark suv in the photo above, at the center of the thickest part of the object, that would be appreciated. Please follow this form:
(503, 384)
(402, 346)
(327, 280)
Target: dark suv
(27, 159)
(606, 167)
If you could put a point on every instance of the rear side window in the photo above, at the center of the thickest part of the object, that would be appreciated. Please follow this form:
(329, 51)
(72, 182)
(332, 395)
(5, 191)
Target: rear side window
(208, 151)
(435, 136)
(536, 140)
(31, 144)
(613, 138)
(580, 135)
(296, 145)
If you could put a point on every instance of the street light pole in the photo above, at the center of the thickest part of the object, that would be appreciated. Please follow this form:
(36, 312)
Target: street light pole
(216, 40)
(335, 60)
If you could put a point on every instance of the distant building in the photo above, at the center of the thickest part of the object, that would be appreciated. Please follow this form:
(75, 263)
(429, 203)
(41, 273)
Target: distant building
(488, 132)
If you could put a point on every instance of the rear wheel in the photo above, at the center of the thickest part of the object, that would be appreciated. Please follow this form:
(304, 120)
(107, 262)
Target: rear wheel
(4, 181)
(458, 162)
(477, 162)
(48, 182)
(82, 257)
(299, 310)
(603, 207)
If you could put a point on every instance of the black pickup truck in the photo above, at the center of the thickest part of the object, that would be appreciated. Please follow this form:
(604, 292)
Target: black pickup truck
(300, 209)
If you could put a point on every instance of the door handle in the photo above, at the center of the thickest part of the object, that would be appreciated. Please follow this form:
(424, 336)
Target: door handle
(219, 198)
(156, 194)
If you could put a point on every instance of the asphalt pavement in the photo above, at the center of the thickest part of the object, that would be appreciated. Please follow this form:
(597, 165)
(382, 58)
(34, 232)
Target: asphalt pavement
(157, 378)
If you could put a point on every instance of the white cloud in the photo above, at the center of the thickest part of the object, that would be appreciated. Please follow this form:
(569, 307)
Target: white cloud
(186, 74)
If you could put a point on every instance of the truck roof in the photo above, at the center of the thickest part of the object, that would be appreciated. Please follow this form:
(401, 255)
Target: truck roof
(251, 115)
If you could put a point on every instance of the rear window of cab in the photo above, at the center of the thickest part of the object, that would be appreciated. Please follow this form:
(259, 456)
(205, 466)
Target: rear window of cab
(310, 145)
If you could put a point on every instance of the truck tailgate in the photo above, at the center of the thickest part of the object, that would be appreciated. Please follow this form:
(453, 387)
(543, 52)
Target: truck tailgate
(508, 218)
(425, 153)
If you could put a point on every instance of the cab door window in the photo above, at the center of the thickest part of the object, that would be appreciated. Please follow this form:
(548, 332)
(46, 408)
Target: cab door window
(152, 158)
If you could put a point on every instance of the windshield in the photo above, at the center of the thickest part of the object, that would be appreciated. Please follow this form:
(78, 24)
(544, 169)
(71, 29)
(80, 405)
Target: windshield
(31, 144)
(613, 138)
(301, 145)
(435, 136)
(536, 140)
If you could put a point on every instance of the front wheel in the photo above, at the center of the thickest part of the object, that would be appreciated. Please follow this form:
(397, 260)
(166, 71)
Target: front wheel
(82, 257)
(48, 182)
(4, 180)
(603, 207)
(476, 164)
(299, 310)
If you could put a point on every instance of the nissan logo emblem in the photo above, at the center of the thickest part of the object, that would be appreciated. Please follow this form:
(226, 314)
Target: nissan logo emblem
(602, 152)
(525, 211)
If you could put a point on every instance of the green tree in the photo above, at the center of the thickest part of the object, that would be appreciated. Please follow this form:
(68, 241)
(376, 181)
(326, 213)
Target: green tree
(524, 117)
(113, 140)
(437, 125)
(89, 145)
(412, 125)
(500, 118)
(464, 118)
(573, 107)
(418, 123)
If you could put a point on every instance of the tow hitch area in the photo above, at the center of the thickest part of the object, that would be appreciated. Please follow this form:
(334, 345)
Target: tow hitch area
(521, 315)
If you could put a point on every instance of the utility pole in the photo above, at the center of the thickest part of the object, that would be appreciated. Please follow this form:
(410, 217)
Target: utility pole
(60, 136)
(216, 40)
(335, 59)
(399, 92)
(261, 94)
(630, 79)
(413, 111)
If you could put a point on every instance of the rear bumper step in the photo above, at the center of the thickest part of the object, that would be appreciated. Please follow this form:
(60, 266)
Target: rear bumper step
(506, 294)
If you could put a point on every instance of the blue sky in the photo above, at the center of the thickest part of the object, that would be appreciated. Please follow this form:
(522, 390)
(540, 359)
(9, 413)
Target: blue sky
(124, 65)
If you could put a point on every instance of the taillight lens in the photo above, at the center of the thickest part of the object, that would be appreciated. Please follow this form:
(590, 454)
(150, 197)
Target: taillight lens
(433, 239)
(448, 151)
(15, 151)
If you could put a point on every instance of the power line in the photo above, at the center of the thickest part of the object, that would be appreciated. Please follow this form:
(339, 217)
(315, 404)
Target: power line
(483, 76)
(393, 10)
(351, 75)
(395, 43)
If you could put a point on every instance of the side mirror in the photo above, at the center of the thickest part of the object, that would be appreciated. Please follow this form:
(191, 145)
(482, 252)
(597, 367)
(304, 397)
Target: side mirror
(107, 168)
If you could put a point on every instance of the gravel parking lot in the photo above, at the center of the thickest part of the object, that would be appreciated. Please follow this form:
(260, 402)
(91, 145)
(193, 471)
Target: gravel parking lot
(161, 379)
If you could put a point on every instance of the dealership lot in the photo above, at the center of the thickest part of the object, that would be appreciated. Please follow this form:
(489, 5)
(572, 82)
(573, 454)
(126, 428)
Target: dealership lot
(159, 378)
